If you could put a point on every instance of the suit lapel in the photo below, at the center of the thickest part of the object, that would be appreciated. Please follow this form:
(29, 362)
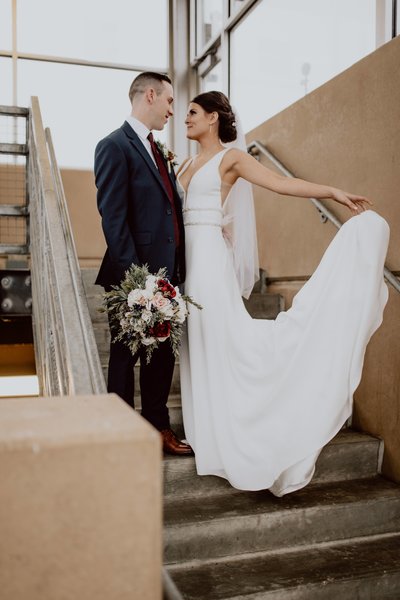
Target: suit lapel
(138, 145)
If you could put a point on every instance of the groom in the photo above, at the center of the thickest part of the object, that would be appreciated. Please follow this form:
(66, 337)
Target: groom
(142, 223)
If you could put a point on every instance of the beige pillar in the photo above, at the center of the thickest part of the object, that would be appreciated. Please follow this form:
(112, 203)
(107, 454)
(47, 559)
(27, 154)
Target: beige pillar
(80, 500)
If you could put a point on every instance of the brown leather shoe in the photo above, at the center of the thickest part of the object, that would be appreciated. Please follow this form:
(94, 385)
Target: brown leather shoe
(172, 445)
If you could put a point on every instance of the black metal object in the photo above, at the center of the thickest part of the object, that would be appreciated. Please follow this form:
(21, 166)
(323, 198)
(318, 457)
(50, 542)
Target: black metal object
(16, 330)
(15, 293)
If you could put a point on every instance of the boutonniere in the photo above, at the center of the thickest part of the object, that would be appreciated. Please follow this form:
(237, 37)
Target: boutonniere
(167, 154)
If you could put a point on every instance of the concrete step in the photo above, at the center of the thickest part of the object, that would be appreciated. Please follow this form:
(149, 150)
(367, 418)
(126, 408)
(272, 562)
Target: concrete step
(350, 455)
(94, 302)
(102, 336)
(204, 527)
(264, 306)
(367, 569)
(89, 275)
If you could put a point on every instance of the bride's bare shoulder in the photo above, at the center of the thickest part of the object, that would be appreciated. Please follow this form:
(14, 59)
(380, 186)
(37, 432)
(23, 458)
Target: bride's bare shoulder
(232, 158)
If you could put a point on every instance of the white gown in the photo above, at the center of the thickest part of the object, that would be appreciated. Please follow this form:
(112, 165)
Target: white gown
(260, 398)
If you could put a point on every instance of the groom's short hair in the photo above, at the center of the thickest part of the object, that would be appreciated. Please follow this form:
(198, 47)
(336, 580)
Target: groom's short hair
(146, 79)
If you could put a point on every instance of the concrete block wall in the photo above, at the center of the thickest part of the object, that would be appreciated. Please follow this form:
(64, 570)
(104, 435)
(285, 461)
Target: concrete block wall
(80, 500)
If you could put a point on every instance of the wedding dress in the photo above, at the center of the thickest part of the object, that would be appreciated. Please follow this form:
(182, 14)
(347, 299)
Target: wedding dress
(260, 398)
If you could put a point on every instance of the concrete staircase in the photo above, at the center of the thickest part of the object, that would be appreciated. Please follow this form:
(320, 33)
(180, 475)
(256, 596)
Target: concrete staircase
(339, 537)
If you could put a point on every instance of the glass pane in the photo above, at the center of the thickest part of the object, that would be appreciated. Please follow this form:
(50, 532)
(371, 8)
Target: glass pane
(213, 79)
(98, 30)
(6, 95)
(209, 21)
(235, 6)
(283, 50)
(5, 25)
(93, 102)
(397, 17)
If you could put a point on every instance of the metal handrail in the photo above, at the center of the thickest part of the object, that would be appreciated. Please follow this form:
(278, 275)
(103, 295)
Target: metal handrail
(95, 371)
(325, 213)
(67, 358)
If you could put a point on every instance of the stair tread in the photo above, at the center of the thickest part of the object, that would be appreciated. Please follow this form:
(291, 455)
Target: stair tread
(350, 455)
(345, 436)
(242, 504)
(252, 575)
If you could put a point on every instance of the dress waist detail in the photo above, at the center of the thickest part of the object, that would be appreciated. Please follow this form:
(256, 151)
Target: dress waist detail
(202, 216)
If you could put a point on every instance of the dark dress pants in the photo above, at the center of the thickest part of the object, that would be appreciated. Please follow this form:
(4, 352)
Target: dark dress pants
(155, 379)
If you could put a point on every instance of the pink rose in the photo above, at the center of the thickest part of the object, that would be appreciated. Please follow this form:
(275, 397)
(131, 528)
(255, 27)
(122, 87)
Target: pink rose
(159, 301)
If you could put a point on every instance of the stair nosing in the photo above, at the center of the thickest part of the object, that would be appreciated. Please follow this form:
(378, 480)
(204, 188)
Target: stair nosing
(386, 491)
(282, 551)
(312, 578)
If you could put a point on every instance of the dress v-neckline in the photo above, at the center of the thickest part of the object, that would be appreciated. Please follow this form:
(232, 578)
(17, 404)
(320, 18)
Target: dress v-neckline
(195, 173)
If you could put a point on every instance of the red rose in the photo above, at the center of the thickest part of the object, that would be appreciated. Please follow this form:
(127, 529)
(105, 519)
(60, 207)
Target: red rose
(166, 288)
(161, 330)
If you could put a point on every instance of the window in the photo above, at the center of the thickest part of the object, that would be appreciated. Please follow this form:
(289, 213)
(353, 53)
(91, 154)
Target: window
(283, 50)
(82, 103)
(96, 30)
(209, 21)
(6, 81)
(5, 25)
(213, 79)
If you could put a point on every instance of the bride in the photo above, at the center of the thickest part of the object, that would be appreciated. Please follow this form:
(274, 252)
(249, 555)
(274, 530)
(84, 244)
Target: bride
(260, 398)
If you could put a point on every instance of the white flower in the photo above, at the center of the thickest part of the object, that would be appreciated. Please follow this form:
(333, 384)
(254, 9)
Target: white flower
(167, 310)
(138, 325)
(136, 297)
(124, 323)
(151, 282)
(146, 316)
(148, 341)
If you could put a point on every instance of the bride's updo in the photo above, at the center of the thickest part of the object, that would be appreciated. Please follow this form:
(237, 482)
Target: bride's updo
(218, 102)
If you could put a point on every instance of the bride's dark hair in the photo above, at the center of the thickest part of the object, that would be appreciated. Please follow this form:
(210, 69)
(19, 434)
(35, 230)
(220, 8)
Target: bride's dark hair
(218, 102)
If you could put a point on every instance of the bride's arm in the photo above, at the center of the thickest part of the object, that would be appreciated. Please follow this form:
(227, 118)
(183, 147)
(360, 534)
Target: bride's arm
(247, 167)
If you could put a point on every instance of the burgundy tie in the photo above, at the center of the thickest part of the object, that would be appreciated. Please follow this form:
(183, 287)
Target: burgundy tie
(162, 169)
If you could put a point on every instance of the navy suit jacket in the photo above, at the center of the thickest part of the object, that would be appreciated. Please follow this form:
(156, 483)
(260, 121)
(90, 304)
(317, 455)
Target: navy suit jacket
(137, 216)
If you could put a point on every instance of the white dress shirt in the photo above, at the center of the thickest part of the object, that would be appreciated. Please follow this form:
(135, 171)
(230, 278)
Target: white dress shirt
(141, 130)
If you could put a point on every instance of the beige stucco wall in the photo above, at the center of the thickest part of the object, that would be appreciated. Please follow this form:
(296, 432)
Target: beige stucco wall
(80, 500)
(347, 134)
(80, 192)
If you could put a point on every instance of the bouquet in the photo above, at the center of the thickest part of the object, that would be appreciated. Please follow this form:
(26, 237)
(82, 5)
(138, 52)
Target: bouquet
(146, 310)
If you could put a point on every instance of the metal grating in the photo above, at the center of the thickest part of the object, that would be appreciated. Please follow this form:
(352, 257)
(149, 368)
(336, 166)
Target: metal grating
(13, 182)
(13, 230)
(12, 129)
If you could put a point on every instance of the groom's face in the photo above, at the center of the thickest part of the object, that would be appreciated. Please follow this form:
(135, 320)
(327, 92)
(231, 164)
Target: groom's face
(162, 106)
